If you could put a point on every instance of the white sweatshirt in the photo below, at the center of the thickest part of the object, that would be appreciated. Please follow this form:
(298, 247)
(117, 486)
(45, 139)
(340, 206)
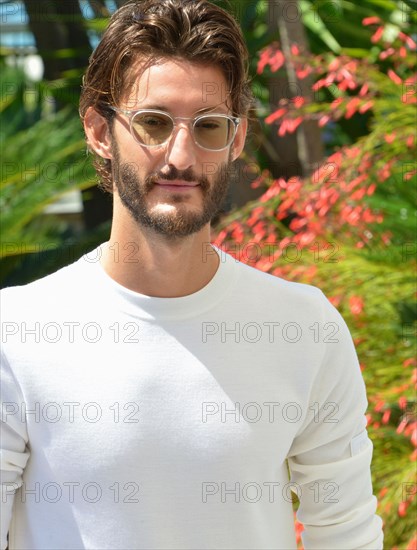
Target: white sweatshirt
(132, 422)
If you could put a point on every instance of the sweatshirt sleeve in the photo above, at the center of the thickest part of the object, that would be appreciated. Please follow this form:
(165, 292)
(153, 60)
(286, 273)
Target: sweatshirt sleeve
(13, 440)
(330, 457)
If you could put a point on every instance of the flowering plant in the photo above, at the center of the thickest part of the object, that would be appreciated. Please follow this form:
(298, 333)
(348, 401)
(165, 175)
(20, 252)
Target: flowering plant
(349, 228)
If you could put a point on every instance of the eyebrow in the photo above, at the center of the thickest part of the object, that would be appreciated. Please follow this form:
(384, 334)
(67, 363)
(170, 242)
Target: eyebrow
(166, 109)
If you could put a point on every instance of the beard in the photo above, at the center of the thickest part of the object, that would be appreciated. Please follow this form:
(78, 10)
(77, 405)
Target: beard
(181, 221)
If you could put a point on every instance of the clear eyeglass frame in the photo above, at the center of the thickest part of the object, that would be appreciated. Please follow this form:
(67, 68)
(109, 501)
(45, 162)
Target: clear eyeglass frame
(131, 114)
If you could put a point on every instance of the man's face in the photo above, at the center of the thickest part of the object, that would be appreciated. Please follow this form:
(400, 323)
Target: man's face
(177, 188)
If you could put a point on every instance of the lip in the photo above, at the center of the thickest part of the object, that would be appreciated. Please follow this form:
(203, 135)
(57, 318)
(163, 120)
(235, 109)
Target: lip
(177, 184)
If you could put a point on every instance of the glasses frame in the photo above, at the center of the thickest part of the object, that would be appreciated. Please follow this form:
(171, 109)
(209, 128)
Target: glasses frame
(131, 114)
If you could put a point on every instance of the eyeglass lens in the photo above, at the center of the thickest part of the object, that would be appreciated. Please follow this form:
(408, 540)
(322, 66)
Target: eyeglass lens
(211, 131)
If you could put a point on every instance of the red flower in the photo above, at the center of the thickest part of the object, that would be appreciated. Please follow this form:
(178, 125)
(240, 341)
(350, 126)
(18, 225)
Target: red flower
(386, 416)
(274, 116)
(385, 172)
(408, 40)
(334, 65)
(254, 218)
(299, 528)
(414, 437)
(294, 124)
(394, 77)
(371, 189)
(401, 426)
(263, 62)
(389, 138)
(268, 56)
(335, 103)
(259, 231)
(358, 194)
(298, 101)
(304, 239)
(366, 106)
(220, 238)
(409, 175)
(402, 509)
(356, 304)
(351, 215)
(303, 72)
(383, 492)
(283, 128)
(237, 234)
(297, 224)
(323, 120)
(402, 402)
(277, 61)
(377, 35)
(364, 90)
(386, 53)
(371, 21)
(380, 405)
(352, 107)
(319, 84)
(272, 191)
(335, 300)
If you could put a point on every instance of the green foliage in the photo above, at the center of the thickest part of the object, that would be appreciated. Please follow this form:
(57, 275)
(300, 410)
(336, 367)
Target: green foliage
(350, 229)
(43, 157)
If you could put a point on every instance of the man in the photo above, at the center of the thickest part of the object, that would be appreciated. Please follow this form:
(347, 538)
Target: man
(157, 393)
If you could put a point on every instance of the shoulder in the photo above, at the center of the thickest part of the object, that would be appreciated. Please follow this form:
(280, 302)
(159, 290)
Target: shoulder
(276, 292)
(49, 292)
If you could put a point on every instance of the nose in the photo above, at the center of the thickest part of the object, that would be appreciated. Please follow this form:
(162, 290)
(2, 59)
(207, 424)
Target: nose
(181, 148)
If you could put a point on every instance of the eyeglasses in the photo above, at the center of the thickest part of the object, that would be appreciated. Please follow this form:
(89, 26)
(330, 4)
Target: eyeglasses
(153, 128)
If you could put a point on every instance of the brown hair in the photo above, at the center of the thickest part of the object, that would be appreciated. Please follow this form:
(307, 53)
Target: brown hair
(195, 30)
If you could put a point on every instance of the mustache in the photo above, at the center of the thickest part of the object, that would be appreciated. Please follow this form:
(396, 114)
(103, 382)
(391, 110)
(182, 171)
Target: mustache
(175, 174)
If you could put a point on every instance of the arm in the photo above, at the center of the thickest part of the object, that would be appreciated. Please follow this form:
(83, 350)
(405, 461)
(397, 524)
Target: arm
(14, 439)
(331, 455)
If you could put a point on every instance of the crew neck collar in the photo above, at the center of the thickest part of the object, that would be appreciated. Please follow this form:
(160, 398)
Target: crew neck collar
(154, 308)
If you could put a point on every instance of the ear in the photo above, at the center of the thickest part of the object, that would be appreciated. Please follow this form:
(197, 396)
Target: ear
(240, 138)
(98, 134)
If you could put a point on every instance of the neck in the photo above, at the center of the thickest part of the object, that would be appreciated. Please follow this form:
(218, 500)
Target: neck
(153, 265)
